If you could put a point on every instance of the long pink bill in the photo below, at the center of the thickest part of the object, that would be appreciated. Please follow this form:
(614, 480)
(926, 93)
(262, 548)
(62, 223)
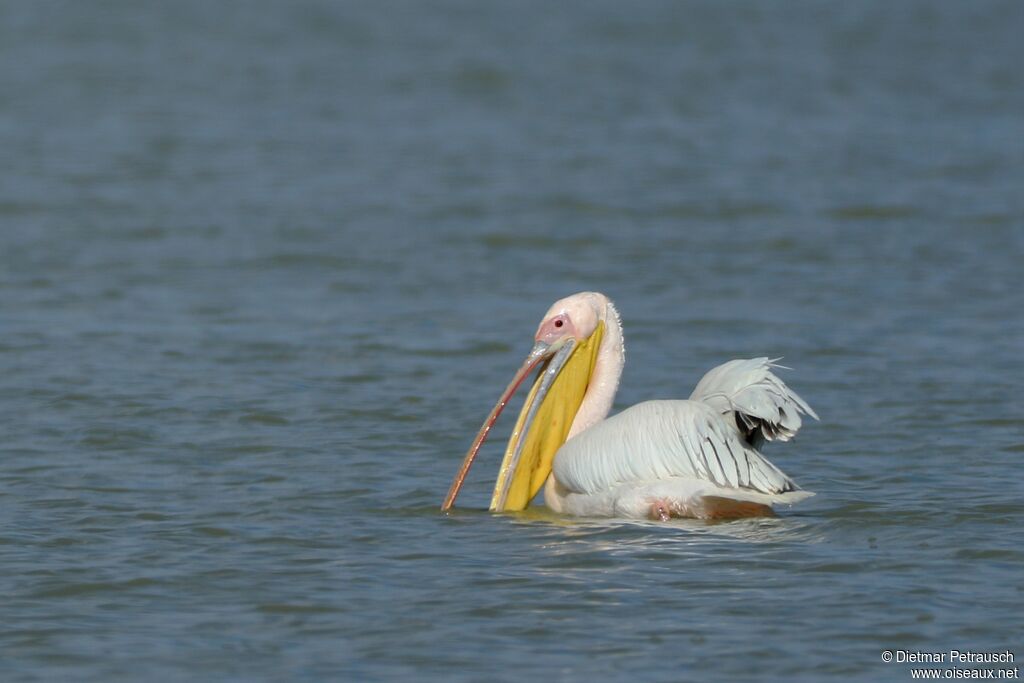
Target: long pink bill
(537, 355)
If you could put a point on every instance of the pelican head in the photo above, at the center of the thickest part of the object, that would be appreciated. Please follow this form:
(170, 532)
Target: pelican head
(565, 348)
(574, 318)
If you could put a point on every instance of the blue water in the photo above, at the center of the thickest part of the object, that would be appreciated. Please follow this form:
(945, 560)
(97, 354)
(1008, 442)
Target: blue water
(264, 268)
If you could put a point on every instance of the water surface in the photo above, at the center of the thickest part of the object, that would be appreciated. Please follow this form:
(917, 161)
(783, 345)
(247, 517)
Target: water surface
(264, 267)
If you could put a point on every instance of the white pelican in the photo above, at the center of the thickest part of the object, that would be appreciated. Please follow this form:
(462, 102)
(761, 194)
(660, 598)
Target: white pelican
(658, 459)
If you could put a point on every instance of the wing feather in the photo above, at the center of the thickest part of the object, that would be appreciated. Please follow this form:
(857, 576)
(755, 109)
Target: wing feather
(760, 403)
(658, 440)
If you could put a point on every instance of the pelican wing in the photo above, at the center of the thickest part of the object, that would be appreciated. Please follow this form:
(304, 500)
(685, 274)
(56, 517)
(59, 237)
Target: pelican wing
(659, 440)
(763, 407)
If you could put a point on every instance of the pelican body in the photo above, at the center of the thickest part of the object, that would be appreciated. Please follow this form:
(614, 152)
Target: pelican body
(696, 458)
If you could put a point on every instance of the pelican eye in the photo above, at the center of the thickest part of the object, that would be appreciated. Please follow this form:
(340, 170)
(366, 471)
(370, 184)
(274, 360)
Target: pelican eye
(559, 323)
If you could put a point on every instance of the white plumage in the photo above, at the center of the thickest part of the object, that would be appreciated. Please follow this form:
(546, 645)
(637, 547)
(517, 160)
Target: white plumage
(679, 452)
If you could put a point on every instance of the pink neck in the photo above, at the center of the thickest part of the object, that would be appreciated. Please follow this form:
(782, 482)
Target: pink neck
(597, 402)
